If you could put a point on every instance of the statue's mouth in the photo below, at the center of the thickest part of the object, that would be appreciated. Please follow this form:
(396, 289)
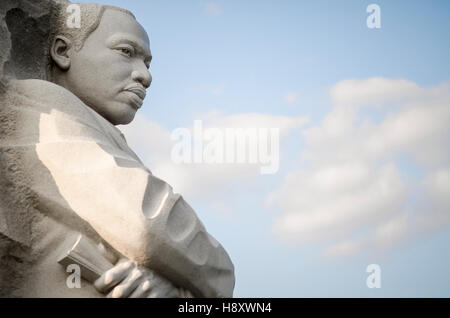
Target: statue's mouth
(137, 89)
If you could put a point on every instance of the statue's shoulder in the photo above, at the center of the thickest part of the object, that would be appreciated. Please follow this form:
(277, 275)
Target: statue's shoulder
(33, 85)
(65, 113)
(46, 95)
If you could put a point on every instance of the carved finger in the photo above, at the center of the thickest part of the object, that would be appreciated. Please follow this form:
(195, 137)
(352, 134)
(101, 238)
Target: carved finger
(128, 285)
(142, 291)
(184, 293)
(114, 276)
(161, 290)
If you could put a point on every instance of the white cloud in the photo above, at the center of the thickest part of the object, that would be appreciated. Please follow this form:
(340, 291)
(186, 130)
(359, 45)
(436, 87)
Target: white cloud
(349, 186)
(393, 230)
(256, 120)
(218, 90)
(153, 143)
(374, 91)
(350, 191)
(437, 185)
(291, 98)
(150, 140)
(331, 202)
(212, 8)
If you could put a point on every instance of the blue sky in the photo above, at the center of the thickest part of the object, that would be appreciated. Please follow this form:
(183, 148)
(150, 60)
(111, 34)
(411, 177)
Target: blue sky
(312, 60)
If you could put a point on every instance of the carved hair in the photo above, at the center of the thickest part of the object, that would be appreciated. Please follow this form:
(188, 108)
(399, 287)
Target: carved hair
(90, 14)
(90, 17)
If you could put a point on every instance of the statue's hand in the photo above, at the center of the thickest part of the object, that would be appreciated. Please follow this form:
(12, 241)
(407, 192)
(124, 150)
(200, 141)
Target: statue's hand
(128, 280)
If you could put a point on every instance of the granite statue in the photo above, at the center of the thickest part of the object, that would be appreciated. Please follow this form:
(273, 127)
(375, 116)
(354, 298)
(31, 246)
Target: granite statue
(68, 172)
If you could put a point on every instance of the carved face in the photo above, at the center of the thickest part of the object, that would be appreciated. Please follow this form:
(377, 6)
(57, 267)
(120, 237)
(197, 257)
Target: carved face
(110, 73)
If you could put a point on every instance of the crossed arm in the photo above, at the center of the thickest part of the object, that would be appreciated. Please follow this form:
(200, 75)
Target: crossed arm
(141, 218)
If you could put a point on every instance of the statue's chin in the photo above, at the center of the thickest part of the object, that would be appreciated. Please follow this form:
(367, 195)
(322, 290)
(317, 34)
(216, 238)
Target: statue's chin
(124, 119)
(124, 122)
(117, 112)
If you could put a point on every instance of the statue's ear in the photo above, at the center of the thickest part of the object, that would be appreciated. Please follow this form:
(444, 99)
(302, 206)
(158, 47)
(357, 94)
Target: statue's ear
(60, 52)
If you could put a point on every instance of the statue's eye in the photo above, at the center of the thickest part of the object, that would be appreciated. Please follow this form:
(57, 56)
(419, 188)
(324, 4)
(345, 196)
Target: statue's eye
(126, 51)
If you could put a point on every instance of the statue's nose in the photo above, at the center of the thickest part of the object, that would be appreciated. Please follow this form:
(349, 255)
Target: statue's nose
(143, 77)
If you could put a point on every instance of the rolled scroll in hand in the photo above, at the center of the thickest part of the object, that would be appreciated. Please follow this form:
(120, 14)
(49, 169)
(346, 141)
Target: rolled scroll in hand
(92, 262)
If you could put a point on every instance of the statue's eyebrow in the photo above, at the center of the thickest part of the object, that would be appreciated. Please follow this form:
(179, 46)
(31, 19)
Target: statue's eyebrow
(138, 45)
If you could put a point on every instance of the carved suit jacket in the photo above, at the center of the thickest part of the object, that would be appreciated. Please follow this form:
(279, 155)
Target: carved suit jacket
(70, 171)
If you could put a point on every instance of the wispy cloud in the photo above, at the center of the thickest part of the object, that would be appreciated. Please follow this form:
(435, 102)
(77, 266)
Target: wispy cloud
(350, 189)
(218, 90)
(290, 98)
(153, 143)
(212, 8)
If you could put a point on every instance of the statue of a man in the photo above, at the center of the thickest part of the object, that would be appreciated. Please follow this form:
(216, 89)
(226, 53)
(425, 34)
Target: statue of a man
(81, 176)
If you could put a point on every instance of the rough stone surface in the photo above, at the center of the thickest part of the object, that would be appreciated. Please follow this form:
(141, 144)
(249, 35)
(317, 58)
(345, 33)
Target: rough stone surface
(24, 30)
